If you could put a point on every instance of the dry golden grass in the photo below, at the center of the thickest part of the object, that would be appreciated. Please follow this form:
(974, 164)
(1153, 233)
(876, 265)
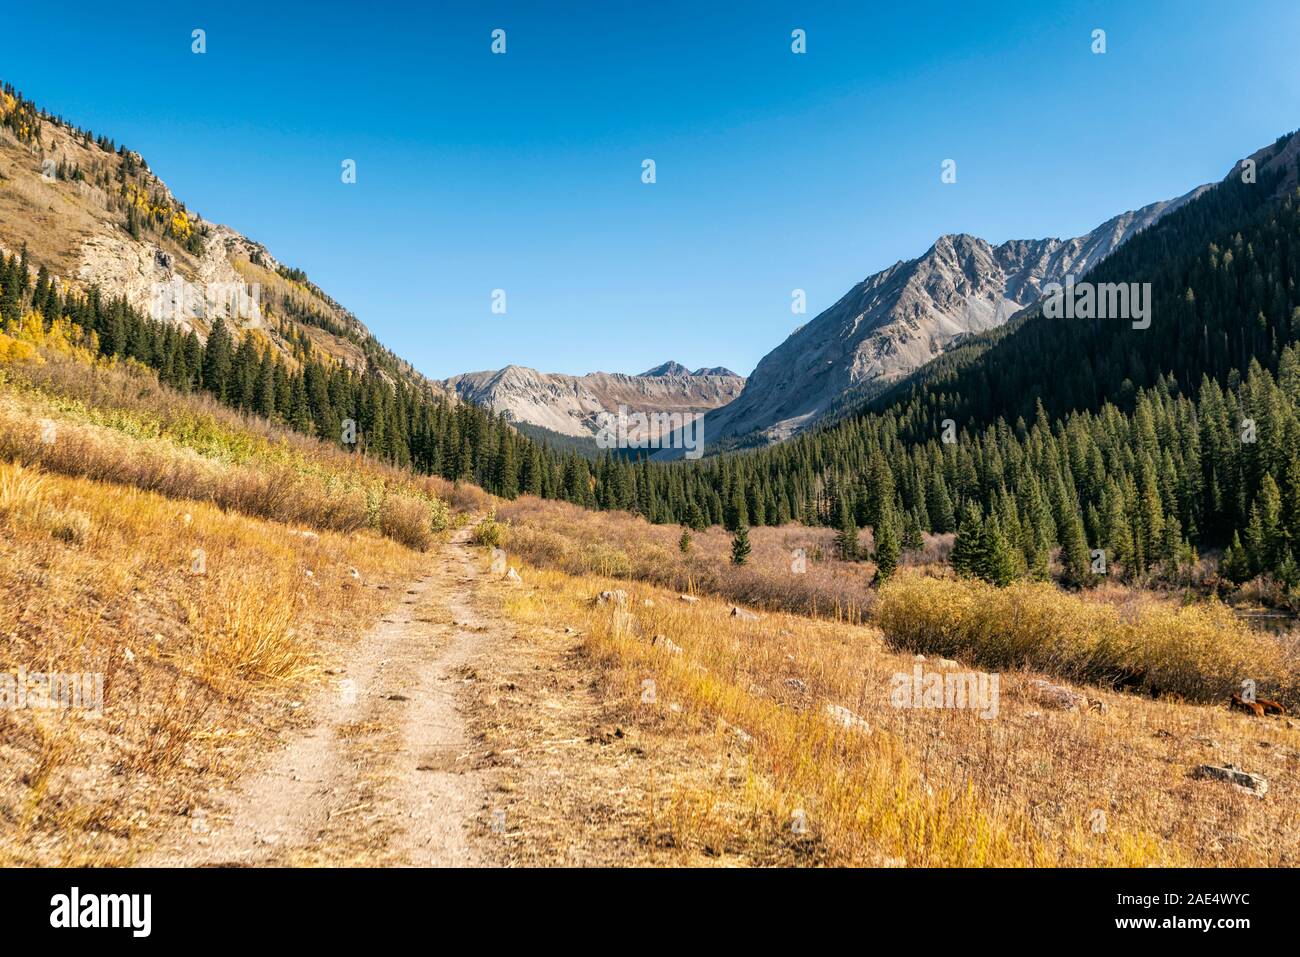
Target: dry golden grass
(1110, 636)
(197, 657)
(98, 421)
(927, 787)
(1201, 652)
(620, 545)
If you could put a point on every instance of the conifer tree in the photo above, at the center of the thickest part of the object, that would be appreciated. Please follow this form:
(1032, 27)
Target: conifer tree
(846, 535)
(740, 546)
(886, 541)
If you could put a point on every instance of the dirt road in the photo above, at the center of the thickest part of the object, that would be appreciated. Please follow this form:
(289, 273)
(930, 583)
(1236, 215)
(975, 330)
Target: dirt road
(383, 773)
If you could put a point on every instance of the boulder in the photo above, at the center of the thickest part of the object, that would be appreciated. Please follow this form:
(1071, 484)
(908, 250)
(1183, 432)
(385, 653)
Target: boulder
(1057, 696)
(847, 719)
(743, 614)
(617, 597)
(666, 643)
(1242, 780)
(513, 578)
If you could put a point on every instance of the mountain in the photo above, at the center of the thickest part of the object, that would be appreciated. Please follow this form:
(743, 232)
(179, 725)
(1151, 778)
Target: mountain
(569, 405)
(93, 214)
(902, 317)
(668, 368)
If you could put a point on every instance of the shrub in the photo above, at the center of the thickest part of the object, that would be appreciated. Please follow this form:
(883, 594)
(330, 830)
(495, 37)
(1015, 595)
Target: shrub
(1201, 651)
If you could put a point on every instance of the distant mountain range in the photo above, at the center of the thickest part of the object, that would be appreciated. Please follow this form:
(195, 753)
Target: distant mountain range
(884, 328)
(570, 405)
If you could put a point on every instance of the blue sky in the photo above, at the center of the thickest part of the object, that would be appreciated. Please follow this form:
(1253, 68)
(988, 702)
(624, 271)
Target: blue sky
(775, 171)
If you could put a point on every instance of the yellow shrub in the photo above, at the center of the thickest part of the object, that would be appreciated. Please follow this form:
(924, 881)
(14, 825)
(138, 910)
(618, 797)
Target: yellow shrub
(1202, 652)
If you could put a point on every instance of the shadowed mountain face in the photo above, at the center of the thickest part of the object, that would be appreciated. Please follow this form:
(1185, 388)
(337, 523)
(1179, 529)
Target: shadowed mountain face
(902, 317)
(570, 405)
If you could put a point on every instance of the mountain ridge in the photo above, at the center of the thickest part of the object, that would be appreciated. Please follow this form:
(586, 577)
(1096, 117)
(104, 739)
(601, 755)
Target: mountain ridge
(570, 405)
(898, 319)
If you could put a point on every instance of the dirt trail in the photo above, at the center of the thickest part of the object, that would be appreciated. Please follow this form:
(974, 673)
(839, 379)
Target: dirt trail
(383, 773)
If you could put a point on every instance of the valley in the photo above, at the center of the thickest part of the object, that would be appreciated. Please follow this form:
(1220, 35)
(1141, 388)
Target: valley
(952, 579)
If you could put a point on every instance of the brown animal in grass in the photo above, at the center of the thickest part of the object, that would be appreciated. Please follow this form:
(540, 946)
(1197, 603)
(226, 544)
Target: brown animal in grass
(1270, 707)
(1249, 707)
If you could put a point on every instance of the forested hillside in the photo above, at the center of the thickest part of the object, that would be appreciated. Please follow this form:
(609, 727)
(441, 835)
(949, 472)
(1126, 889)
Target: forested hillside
(1087, 434)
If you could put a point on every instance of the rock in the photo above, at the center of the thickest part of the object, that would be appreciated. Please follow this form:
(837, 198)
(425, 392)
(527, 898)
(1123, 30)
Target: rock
(129, 655)
(513, 578)
(689, 599)
(919, 658)
(1208, 742)
(846, 718)
(795, 684)
(1057, 696)
(740, 732)
(661, 641)
(648, 602)
(946, 663)
(743, 614)
(617, 597)
(1243, 780)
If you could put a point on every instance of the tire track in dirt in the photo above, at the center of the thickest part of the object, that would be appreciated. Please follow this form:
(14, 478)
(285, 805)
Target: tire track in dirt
(383, 774)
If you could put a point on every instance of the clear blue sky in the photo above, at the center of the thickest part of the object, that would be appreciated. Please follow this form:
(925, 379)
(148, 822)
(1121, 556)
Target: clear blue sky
(775, 171)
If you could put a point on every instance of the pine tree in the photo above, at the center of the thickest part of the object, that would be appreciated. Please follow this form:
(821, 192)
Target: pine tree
(968, 546)
(913, 539)
(1236, 564)
(740, 546)
(887, 548)
(1075, 557)
(846, 535)
(998, 564)
(216, 359)
(684, 542)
